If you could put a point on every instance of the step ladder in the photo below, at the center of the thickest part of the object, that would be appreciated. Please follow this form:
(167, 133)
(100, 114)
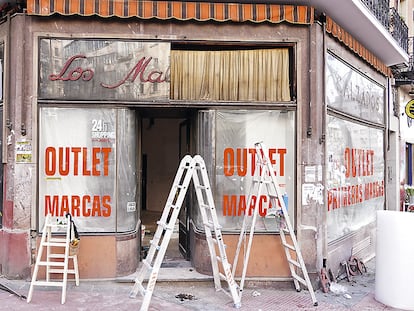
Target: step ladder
(56, 258)
(190, 168)
(265, 183)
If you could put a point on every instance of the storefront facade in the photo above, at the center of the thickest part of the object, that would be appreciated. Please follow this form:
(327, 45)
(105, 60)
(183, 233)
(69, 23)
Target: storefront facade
(110, 106)
(355, 157)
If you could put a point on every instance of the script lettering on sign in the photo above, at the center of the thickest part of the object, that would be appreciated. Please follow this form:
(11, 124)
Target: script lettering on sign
(140, 70)
(74, 74)
(143, 71)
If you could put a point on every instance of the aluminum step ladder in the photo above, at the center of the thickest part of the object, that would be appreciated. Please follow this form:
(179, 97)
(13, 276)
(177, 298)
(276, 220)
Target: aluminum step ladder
(189, 169)
(265, 183)
(56, 258)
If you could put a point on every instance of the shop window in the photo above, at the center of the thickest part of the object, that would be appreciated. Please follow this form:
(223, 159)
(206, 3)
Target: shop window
(259, 74)
(232, 135)
(355, 183)
(87, 167)
(355, 176)
(353, 92)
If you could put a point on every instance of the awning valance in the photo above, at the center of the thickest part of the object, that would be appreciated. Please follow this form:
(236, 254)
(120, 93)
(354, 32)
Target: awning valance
(179, 10)
(338, 32)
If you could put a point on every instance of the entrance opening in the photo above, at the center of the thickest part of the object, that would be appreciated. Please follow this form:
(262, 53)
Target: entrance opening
(164, 140)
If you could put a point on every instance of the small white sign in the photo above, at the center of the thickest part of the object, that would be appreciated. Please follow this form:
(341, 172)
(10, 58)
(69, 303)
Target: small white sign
(131, 207)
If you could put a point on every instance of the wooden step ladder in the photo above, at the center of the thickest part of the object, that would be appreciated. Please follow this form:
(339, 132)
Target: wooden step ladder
(265, 183)
(57, 256)
(189, 169)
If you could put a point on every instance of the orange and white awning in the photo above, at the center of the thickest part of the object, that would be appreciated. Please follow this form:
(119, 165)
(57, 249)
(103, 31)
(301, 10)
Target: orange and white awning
(343, 36)
(200, 11)
(179, 10)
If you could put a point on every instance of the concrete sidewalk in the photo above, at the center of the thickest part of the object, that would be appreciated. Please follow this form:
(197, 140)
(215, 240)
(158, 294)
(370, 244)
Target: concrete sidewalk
(183, 289)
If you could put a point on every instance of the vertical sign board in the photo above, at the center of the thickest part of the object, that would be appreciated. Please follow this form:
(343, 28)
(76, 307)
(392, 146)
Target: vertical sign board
(355, 152)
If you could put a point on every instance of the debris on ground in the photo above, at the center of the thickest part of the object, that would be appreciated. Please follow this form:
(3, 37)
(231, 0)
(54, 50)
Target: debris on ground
(337, 288)
(255, 293)
(347, 296)
(183, 297)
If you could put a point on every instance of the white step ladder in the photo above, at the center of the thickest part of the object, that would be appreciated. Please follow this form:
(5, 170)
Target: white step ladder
(189, 169)
(56, 262)
(265, 177)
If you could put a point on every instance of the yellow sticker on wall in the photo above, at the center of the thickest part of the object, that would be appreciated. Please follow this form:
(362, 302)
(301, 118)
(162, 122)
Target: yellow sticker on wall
(409, 109)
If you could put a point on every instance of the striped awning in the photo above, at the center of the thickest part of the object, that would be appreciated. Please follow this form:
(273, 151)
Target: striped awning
(179, 10)
(343, 36)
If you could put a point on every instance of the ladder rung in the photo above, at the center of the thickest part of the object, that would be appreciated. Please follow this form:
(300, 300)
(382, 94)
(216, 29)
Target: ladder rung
(206, 206)
(147, 264)
(222, 276)
(71, 271)
(49, 225)
(219, 258)
(301, 280)
(266, 181)
(57, 256)
(289, 246)
(202, 187)
(164, 225)
(294, 262)
(56, 244)
(52, 263)
(47, 283)
(61, 256)
(56, 240)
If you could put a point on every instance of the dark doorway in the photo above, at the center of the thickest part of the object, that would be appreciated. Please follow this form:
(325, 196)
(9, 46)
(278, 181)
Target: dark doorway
(165, 139)
(184, 216)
